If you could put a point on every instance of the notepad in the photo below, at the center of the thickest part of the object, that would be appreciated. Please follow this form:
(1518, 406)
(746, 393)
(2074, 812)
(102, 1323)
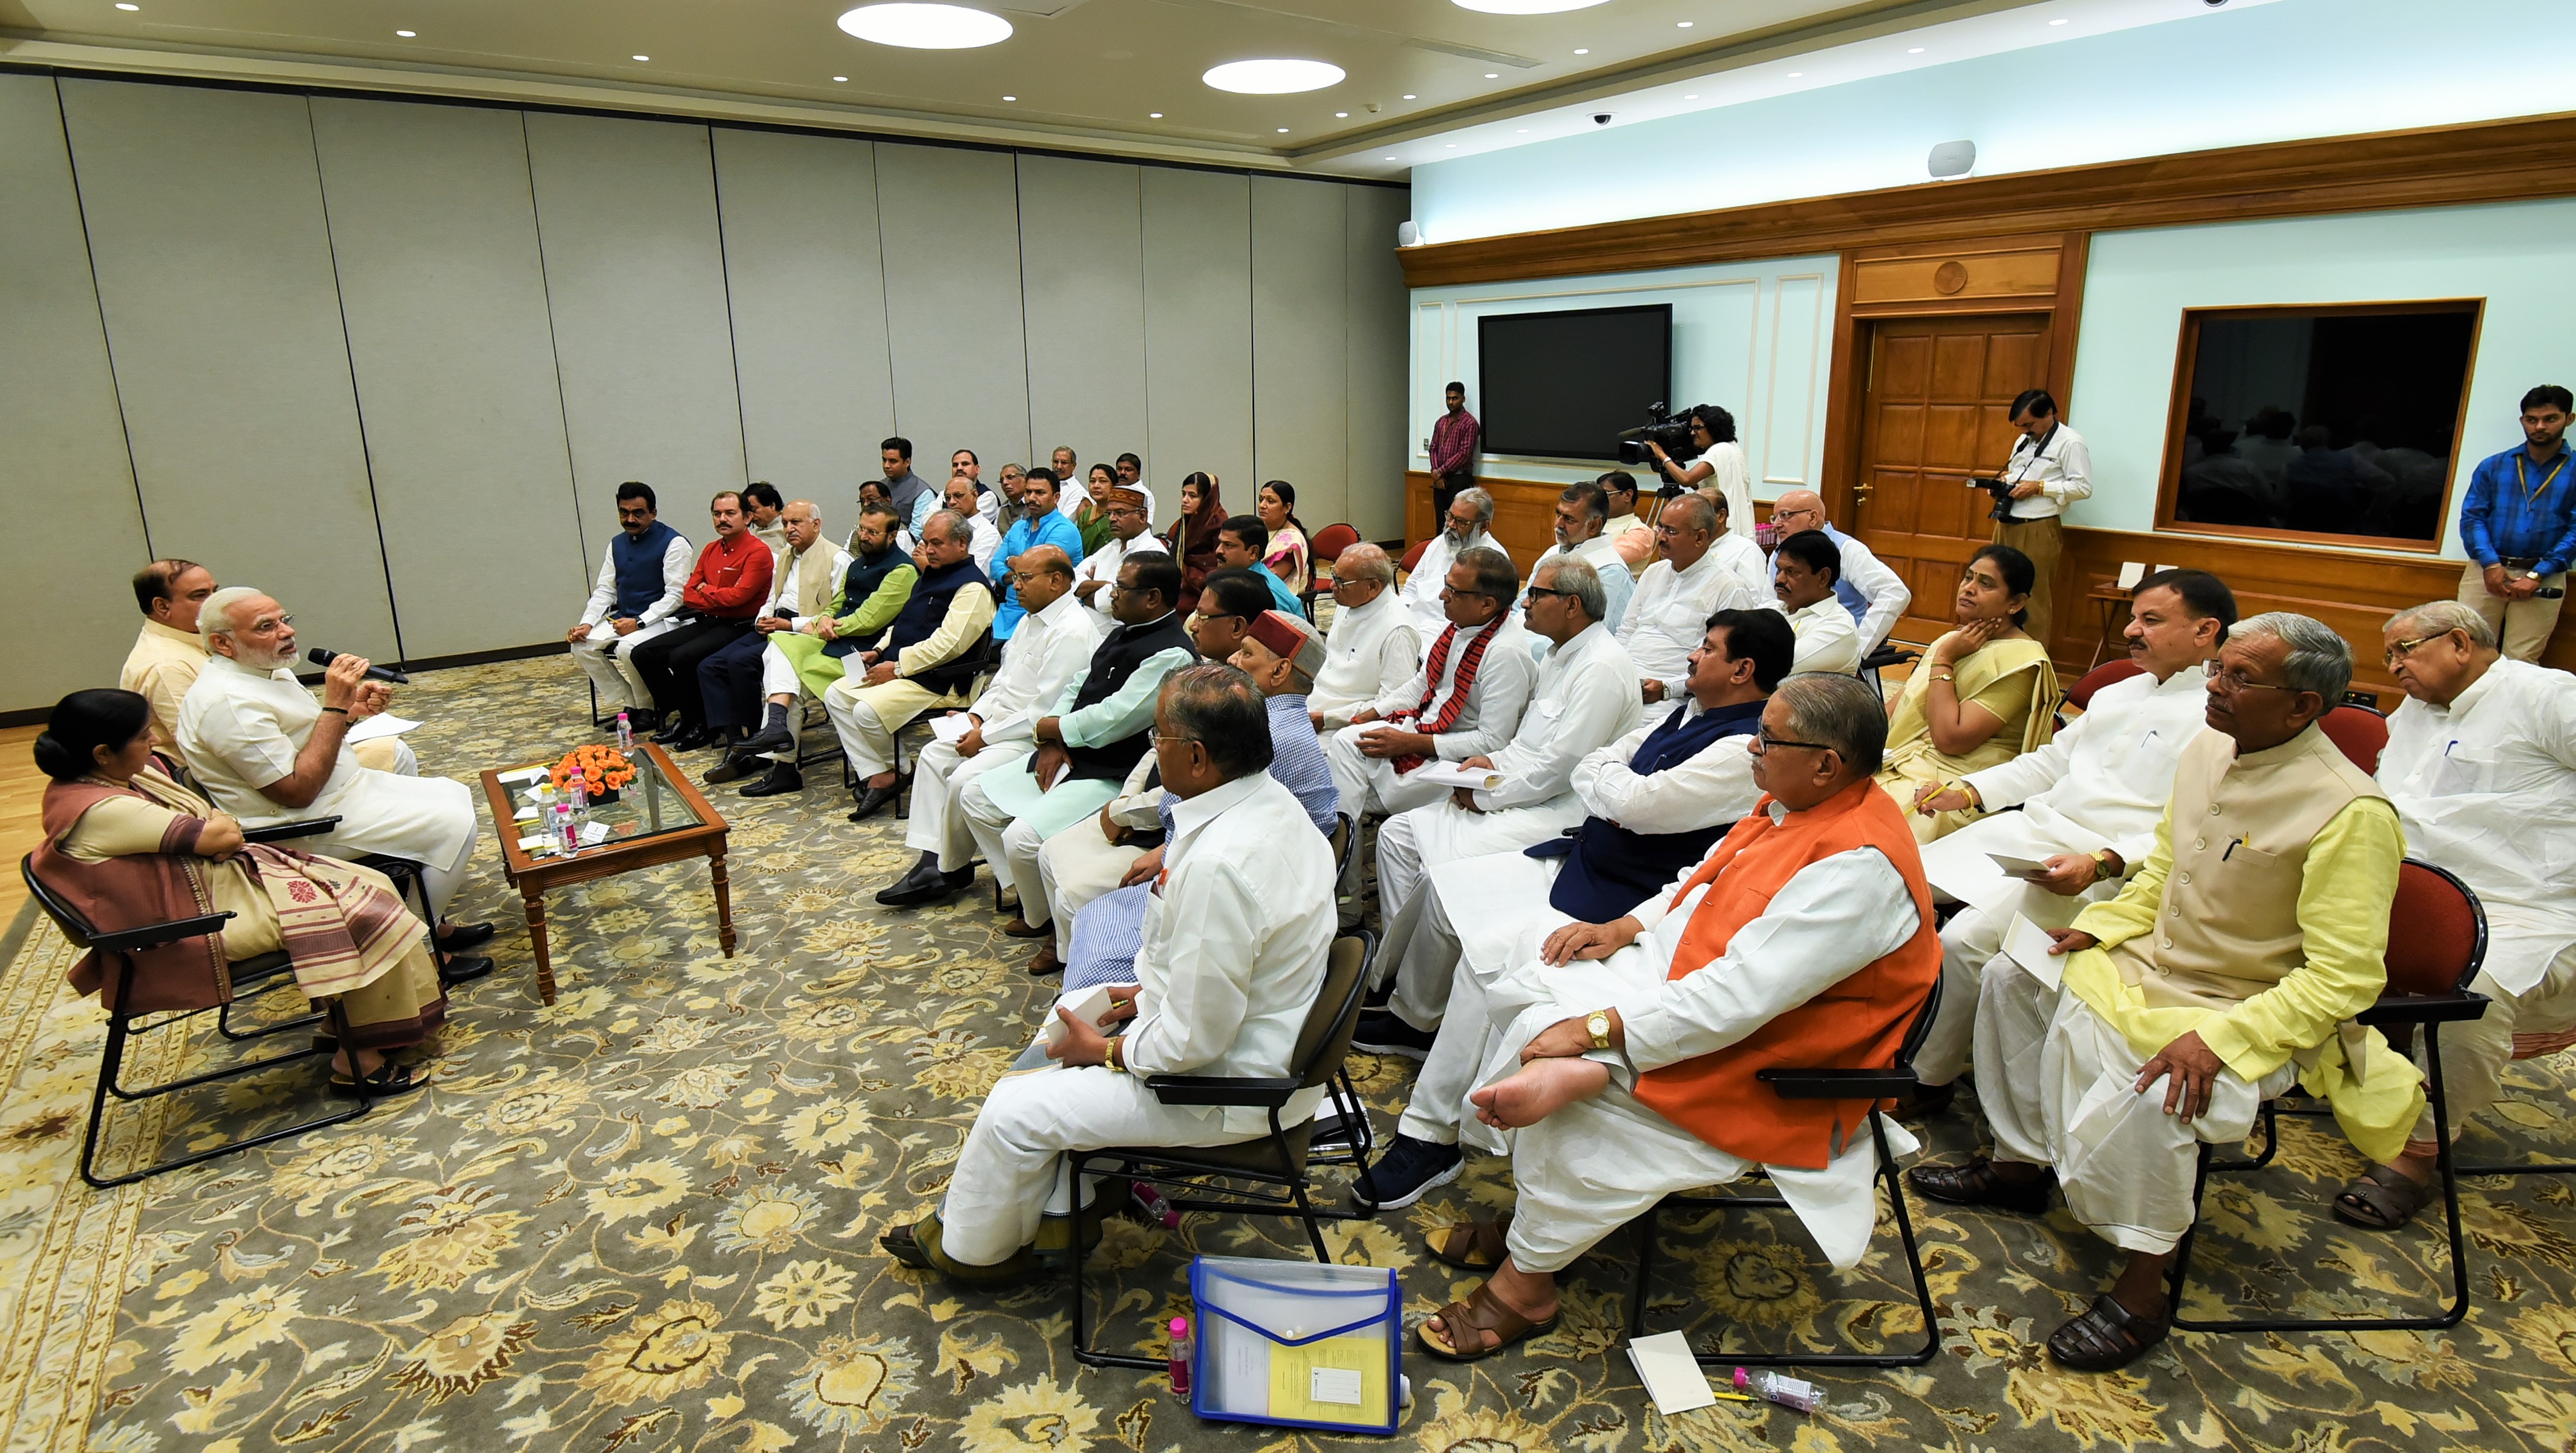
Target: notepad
(1672, 1375)
(2028, 944)
(1089, 1006)
(951, 728)
(383, 724)
(1450, 774)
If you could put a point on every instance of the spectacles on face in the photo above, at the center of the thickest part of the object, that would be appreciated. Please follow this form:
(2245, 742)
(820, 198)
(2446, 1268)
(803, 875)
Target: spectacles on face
(1536, 591)
(1448, 591)
(1155, 736)
(2235, 681)
(2404, 649)
(1225, 615)
(1763, 742)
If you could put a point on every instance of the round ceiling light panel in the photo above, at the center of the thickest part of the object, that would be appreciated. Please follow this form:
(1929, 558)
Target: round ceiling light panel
(926, 27)
(1525, 7)
(1272, 77)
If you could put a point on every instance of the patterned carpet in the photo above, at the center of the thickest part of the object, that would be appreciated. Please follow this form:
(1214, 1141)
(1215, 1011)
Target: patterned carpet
(645, 1218)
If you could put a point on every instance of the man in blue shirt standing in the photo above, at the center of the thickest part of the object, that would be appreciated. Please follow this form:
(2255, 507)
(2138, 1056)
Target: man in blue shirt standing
(2518, 524)
(1038, 524)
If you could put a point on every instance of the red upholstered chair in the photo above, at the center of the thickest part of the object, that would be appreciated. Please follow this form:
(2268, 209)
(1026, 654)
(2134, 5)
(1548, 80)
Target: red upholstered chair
(2437, 939)
(1323, 550)
(1413, 556)
(2361, 732)
(2080, 695)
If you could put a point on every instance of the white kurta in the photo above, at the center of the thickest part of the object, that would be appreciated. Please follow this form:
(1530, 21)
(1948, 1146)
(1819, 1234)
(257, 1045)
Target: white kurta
(2101, 783)
(1369, 649)
(1745, 561)
(1041, 656)
(1233, 955)
(1617, 585)
(607, 657)
(1827, 638)
(1668, 616)
(1733, 477)
(1102, 565)
(1421, 591)
(1600, 1163)
(1505, 676)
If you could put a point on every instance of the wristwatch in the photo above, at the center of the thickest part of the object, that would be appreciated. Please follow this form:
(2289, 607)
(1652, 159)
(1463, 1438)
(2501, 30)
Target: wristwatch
(2112, 865)
(1597, 1024)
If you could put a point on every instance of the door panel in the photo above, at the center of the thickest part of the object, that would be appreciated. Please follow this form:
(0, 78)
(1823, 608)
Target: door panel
(1934, 418)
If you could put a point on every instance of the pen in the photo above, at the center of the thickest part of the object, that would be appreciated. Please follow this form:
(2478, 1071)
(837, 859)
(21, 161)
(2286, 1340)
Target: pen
(2232, 845)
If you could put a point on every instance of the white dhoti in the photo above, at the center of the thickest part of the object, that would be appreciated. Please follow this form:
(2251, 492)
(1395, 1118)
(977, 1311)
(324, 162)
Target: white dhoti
(1416, 843)
(1010, 1167)
(2542, 1019)
(867, 718)
(1490, 985)
(939, 776)
(1075, 866)
(428, 820)
(605, 658)
(1959, 867)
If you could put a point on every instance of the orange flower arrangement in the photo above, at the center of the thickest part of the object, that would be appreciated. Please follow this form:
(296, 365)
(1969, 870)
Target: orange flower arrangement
(602, 769)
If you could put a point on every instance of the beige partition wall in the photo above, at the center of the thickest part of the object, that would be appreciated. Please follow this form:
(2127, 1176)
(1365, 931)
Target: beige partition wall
(950, 221)
(1198, 333)
(809, 328)
(1373, 376)
(1082, 265)
(214, 270)
(64, 463)
(445, 300)
(1300, 430)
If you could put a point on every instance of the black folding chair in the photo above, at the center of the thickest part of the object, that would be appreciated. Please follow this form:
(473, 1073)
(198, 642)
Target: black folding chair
(2436, 943)
(1275, 1164)
(116, 960)
(1821, 1084)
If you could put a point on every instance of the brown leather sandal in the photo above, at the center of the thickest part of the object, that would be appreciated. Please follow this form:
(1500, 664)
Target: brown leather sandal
(1471, 1245)
(2381, 1198)
(917, 1246)
(1482, 1312)
(2107, 1337)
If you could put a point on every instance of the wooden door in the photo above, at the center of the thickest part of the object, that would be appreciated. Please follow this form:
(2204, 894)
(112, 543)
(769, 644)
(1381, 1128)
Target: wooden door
(1934, 415)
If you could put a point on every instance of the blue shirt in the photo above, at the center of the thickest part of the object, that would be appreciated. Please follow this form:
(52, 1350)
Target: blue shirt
(2519, 508)
(1025, 535)
(1280, 594)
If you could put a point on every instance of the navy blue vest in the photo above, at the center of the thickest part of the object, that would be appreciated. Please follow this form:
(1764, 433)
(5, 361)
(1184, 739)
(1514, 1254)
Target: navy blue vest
(865, 574)
(639, 568)
(1116, 658)
(921, 618)
(1610, 870)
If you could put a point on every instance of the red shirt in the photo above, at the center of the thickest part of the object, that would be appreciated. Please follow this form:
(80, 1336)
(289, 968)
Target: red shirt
(732, 578)
(1453, 442)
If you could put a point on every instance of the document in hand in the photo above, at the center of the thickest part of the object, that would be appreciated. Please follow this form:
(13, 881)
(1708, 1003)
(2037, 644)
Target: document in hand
(1296, 1343)
(1090, 1006)
(1450, 774)
(383, 724)
(951, 728)
(2028, 945)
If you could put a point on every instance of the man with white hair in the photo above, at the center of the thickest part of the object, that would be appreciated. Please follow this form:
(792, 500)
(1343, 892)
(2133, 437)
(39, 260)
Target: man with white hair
(1373, 644)
(264, 752)
(2230, 967)
(1587, 697)
(2481, 766)
(801, 589)
(1875, 595)
(1466, 527)
(636, 598)
(1676, 597)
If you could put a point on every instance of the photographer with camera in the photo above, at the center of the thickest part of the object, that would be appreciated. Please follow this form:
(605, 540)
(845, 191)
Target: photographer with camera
(2048, 468)
(1716, 460)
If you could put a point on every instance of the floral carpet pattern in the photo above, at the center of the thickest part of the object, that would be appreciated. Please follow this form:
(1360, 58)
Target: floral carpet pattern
(645, 1218)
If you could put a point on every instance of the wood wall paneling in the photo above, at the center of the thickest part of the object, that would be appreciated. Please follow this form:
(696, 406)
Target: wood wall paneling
(65, 458)
(214, 268)
(1198, 334)
(444, 293)
(1082, 251)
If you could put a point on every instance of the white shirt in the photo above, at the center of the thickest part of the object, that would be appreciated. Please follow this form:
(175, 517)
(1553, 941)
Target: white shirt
(1617, 585)
(1070, 495)
(2064, 470)
(1875, 595)
(1827, 639)
(2105, 778)
(1043, 653)
(677, 560)
(1745, 561)
(1102, 565)
(1734, 479)
(1587, 695)
(1421, 591)
(242, 730)
(1711, 788)
(1504, 679)
(987, 541)
(1668, 617)
(2486, 787)
(1369, 649)
(1234, 942)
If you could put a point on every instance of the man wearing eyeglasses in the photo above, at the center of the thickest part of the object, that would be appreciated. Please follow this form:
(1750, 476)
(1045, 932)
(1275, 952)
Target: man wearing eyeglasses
(1373, 644)
(1875, 595)
(2230, 968)
(2518, 523)
(1131, 532)
(1463, 528)
(1676, 597)
(2481, 765)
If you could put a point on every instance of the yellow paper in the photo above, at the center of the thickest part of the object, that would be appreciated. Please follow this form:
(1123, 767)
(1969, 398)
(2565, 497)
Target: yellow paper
(1292, 1379)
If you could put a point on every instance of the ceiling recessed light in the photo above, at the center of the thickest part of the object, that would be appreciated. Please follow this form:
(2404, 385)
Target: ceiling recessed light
(643, 58)
(1409, 96)
(1453, 146)
(1272, 77)
(1691, 96)
(1153, 115)
(1793, 75)
(1914, 50)
(2061, 20)
(1390, 158)
(1283, 131)
(407, 34)
(1524, 7)
(1681, 25)
(1524, 130)
(1493, 75)
(926, 27)
(840, 78)
(1340, 115)
(1583, 50)
(123, 5)
(1010, 98)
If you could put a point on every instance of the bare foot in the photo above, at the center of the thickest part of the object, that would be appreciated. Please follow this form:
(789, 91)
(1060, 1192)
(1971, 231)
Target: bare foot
(1539, 1089)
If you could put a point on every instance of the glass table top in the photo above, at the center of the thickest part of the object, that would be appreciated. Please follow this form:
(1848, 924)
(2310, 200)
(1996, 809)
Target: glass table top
(649, 806)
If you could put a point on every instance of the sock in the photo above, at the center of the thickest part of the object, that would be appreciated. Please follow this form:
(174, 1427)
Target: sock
(777, 718)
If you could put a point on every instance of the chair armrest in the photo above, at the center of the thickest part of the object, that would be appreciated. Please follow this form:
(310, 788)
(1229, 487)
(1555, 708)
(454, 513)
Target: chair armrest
(1836, 1084)
(1886, 656)
(153, 935)
(2424, 1009)
(1221, 1090)
(282, 831)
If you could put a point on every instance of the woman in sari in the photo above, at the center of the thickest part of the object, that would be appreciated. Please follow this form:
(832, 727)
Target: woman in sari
(128, 846)
(1286, 556)
(1193, 537)
(1091, 517)
(1984, 694)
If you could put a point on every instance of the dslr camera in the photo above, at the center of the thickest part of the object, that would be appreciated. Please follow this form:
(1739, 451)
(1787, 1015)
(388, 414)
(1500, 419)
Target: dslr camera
(1674, 434)
(2002, 493)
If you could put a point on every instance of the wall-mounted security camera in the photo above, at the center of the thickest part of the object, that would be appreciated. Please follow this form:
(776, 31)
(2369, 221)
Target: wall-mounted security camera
(1600, 118)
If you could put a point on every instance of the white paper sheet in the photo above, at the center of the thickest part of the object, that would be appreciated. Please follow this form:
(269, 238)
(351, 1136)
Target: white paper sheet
(2131, 572)
(950, 728)
(383, 724)
(1450, 774)
(1090, 1005)
(2030, 868)
(524, 774)
(1672, 1375)
(2028, 945)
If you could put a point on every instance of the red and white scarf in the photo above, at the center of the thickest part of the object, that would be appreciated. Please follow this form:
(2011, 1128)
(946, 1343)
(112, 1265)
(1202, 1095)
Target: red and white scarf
(1446, 718)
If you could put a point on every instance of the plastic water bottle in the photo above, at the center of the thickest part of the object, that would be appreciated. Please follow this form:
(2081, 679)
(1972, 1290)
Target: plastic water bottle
(580, 797)
(565, 834)
(1151, 1202)
(1788, 1392)
(1183, 1347)
(625, 733)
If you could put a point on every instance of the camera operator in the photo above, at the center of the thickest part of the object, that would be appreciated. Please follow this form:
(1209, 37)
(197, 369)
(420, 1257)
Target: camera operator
(1717, 461)
(2048, 468)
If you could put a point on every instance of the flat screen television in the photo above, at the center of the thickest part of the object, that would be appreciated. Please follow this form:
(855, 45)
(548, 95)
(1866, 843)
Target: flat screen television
(1563, 385)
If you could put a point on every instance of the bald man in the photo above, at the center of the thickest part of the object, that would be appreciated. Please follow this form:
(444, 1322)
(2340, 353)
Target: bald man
(1374, 644)
(1875, 595)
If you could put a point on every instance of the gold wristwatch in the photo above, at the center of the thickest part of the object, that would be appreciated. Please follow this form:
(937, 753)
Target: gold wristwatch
(1597, 1024)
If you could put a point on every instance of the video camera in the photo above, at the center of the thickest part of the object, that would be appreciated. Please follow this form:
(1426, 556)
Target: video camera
(1675, 435)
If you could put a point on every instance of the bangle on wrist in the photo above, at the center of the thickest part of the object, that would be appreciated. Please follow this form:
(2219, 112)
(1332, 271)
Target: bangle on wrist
(1116, 1062)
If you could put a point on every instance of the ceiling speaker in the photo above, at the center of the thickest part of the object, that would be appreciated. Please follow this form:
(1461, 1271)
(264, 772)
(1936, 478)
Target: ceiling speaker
(1953, 159)
(1406, 234)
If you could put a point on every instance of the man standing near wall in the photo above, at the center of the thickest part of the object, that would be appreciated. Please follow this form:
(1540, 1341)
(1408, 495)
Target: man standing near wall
(2519, 526)
(2047, 470)
(1453, 450)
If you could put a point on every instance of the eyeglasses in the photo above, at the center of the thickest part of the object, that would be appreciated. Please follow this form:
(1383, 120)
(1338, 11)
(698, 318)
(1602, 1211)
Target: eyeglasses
(2404, 649)
(1763, 742)
(1536, 591)
(1225, 615)
(1156, 736)
(2235, 681)
(1446, 591)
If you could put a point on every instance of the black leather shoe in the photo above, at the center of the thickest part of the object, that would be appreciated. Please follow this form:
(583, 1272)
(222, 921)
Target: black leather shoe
(696, 738)
(458, 937)
(870, 799)
(737, 765)
(463, 969)
(774, 739)
(923, 885)
(781, 779)
(671, 735)
(1978, 1183)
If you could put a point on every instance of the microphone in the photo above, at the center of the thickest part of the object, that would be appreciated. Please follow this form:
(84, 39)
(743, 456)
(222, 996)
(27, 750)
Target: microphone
(320, 657)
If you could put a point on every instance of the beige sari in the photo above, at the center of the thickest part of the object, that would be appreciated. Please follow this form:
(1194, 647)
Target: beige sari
(2012, 679)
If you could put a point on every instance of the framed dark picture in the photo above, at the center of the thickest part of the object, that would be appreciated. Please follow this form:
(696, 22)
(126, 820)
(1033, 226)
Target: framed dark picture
(2333, 423)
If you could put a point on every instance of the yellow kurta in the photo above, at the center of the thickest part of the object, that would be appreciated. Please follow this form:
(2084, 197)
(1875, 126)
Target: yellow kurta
(2012, 679)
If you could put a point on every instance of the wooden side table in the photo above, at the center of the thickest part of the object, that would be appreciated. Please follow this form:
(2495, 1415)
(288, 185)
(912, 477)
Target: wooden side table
(660, 817)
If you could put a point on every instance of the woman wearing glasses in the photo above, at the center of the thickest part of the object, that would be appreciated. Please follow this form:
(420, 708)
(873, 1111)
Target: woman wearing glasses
(1984, 694)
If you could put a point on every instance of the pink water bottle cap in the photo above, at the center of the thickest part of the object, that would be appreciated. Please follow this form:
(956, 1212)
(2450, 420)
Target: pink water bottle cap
(1180, 1326)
